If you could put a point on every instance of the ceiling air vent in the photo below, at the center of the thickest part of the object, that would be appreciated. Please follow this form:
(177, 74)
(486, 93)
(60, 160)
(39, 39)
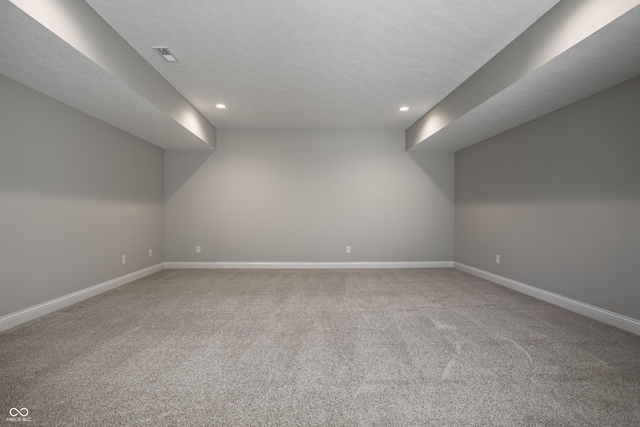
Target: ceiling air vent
(165, 53)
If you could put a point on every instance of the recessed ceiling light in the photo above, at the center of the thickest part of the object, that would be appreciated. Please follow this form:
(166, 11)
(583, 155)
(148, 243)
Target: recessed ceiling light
(221, 106)
(165, 53)
(404, 108)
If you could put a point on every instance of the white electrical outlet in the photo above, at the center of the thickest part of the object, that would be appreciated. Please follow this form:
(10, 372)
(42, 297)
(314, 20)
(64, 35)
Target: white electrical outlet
(348, 249)
(150, 253)
(497, 259)
(124, 259)
(198, 249)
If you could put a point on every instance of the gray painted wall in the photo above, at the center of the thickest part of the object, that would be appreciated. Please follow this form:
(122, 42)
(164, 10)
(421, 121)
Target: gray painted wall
(559, 199)
(303, 195)
(75, 195)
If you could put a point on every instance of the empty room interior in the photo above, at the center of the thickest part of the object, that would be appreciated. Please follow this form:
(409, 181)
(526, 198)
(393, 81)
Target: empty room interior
(349, 213)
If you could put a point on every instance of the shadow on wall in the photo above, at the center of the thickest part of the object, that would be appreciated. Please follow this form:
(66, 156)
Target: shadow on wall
(439, 173)
(183, 166)
(587, 151)
(50, 149)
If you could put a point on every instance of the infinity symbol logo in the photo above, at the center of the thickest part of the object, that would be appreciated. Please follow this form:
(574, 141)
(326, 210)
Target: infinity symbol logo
(14, 412)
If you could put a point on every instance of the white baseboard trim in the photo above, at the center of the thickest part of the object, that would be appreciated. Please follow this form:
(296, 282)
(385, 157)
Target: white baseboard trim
(614, 319)
(306, 265)
(22, 316)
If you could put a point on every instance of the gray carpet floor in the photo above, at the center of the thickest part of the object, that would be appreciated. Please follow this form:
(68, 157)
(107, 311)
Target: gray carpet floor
(319, 347)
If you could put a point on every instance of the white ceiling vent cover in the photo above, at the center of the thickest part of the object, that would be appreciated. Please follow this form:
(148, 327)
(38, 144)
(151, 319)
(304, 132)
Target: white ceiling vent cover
(165, 53)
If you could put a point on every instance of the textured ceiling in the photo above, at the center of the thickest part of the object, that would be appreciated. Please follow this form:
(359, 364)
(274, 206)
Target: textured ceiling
(606, 58)
(32, 55)
(335, 64)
